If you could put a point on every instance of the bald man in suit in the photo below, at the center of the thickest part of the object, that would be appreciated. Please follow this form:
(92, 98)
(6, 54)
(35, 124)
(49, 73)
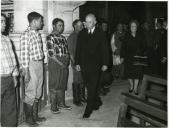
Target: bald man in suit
(92, 58)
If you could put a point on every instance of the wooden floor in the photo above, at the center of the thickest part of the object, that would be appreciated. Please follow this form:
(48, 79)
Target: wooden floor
(106, 116)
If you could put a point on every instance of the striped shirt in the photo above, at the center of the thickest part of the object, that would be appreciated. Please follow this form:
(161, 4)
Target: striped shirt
(7, 58)
(31, 47)
(57, 45)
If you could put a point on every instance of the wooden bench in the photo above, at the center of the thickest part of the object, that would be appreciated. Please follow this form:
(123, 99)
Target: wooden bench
(148, 93)
(143, 106)
(133, 106)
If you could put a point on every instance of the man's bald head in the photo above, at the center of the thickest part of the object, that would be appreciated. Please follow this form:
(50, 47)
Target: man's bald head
(90, 21)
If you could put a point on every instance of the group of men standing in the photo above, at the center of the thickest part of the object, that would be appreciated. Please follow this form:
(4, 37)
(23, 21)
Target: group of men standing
(87, 50)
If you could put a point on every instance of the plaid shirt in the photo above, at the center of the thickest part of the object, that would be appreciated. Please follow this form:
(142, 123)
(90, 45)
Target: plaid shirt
(31, 47)
(57, 45)
(7, 58)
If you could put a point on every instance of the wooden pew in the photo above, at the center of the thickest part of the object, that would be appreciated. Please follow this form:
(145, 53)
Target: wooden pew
(142, 107)
(148, 93)
(153, 114)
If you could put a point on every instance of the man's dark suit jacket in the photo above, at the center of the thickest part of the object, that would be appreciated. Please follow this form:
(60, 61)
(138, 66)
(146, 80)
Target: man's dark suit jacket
(91, 52)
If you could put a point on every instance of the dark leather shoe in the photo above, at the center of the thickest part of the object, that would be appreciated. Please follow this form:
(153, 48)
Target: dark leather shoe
(56, 111)
(96, 108)
(40, 119)
(78, 104)
(65, 107)
(130, 90)
(86, 115)
(136, 93)
(31, 123)
(99, 102)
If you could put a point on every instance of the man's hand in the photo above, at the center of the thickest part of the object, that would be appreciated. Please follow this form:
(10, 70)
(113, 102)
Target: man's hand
(26, 75)
(27, 78)
(104, 68)
(15, 81)
(59, 62)
(121, 60)
(78, 68)
(164, 60)
(72, 59)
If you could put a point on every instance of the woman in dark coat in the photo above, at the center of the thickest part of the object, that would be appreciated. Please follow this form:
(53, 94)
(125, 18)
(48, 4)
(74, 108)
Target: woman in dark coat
(134, 45)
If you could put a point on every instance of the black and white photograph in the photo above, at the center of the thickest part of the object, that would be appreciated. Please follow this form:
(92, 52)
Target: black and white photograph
(77, 63)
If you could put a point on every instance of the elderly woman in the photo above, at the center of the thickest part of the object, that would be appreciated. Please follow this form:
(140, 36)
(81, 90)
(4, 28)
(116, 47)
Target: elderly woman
(133, 49)
(58, 62)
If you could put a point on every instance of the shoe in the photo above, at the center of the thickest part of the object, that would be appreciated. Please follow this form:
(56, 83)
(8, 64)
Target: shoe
(88, 111)
(86, 115)
(29, 115)
(130, 90)
(106, 90)
(61, 100)
(57, 111)
(102, 92)
(65, 107)
(31, 123)
(99, 102)
(136, 93)
(78, 104)
(35, 113)
(96, 108)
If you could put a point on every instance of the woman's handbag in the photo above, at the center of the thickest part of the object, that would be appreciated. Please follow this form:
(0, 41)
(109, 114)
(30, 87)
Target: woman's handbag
(140, 60)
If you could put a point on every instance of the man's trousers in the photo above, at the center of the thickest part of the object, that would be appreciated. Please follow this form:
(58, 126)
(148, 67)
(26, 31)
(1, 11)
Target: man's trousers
(8, 103)
(33, 90)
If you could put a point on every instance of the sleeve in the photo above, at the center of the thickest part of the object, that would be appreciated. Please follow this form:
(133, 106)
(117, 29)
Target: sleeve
(45, 51)
(15, 70)
(105, 50)
(123, 48)
(66, 44)
(25, 46)
(143, 45)
(69, 43)
(78, 49)
(113, 47)
(50, 47)
(163, 45)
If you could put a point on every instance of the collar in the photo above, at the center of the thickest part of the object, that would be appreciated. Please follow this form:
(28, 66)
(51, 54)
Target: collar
(31, 30)
(91, 30)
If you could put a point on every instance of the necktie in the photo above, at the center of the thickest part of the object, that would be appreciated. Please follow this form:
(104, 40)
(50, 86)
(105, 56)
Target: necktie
(90, 32)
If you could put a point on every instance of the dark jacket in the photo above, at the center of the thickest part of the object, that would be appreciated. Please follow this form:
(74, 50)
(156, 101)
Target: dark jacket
(92, 50)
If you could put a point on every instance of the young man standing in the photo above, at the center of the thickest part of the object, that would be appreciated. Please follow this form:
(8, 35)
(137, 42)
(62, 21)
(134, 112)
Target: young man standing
(9, 73)
(78, 86)
(32, 57)
(58, 62)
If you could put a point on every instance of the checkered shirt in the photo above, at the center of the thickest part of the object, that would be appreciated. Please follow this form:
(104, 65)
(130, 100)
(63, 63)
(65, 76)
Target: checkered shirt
(57, 45)
(7, 58)
(31, 47)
